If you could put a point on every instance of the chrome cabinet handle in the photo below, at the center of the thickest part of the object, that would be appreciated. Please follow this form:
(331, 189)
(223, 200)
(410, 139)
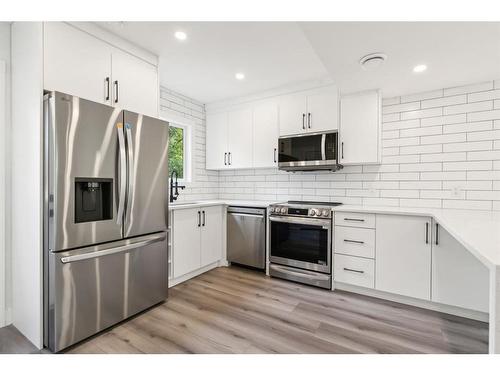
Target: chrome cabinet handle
(116, 91)
(358, 220)
(204, 218)
(352, 270)
(225, 158)
(304, 121)
(199, 218)
(437, 234)
(123, 173)
(426, 233)
(275, 155)
(106, 98)
(309, 120)
(354, 241)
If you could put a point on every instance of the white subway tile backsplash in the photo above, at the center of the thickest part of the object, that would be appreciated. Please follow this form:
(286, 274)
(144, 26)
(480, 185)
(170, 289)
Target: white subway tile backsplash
(439, 149)
(484, 95)
(447, 100)
(483, 86)
(423, 113)
(422, 96)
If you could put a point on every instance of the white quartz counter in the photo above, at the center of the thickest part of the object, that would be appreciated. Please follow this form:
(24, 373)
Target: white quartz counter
(184, 205)
(477, 231)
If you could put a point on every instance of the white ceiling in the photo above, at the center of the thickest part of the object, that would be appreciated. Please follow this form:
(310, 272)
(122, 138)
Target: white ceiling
(276, 54)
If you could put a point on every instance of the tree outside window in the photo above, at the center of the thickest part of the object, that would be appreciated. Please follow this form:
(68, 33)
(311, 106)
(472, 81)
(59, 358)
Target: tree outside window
(176, 151)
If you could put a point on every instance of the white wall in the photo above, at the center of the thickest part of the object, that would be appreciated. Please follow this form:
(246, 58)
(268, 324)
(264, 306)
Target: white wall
(26, 215)
(440, 149)
(5, 256)
(204, 184)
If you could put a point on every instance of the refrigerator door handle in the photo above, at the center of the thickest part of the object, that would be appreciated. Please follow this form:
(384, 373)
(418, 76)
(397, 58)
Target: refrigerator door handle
(123, 173)
(130, 164)
(114, 250)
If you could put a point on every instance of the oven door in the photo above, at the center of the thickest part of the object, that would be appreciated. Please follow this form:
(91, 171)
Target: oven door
(307, 151)
(301, 242)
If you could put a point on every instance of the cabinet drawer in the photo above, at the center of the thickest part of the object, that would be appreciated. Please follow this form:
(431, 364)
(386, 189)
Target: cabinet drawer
(355, 241)
(353, 270)
(355, 219)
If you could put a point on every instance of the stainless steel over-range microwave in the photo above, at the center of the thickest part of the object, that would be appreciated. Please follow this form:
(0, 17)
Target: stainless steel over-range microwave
(306, 152)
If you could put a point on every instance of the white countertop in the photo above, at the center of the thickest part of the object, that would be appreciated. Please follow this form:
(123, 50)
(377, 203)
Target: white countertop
(477, 231)
(202, 203)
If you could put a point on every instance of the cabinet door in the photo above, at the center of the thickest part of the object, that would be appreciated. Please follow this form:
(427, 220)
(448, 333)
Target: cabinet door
(240, 138)
(403, 255)
(211, 235)
(359, 129)
(458, 277)
(135, 84)
(76, 63)
(216, 140)
(322, 110)
(292, 114)
(186, 241)
(265, 135)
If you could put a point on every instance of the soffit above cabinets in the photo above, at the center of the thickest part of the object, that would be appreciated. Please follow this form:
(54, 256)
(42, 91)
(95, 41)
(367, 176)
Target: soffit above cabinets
(279, 54)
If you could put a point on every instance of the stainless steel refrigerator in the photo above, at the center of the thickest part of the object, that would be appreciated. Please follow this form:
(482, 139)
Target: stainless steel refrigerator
(105, 216)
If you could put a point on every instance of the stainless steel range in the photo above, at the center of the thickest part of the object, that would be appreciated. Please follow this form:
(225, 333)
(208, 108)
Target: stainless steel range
(300, 239)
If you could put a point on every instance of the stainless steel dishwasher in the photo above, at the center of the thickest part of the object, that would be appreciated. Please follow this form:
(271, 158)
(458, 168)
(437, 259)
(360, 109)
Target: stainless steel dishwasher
(246, 236)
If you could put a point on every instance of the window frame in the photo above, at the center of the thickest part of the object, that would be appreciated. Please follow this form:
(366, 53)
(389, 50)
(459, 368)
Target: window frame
(187, 127)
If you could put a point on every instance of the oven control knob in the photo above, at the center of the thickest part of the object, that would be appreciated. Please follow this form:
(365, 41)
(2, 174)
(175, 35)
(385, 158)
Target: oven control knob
(326, 213)
(271, 209)
(313, 212)
(283, 210)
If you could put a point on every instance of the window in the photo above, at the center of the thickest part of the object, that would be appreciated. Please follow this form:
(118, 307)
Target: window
(178, 151)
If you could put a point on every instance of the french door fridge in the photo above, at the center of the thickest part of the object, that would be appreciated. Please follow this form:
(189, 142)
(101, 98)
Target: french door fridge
(105, 216)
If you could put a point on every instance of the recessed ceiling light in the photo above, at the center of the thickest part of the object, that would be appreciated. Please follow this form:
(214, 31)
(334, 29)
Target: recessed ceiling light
(420, 68)
(181, 35)
(372, 61)
(239, 76)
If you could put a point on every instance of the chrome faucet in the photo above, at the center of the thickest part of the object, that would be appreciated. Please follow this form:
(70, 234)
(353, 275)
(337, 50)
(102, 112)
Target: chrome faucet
(174, 194)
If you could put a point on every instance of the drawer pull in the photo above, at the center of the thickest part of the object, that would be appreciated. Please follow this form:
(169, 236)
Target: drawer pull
(351, 270)
(349, 219)
(354, 241)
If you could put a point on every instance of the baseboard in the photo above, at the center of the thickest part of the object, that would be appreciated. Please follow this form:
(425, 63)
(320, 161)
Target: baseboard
(190, 275)
(429, 305)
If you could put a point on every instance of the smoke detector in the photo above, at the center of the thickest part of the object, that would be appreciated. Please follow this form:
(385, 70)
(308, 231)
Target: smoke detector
(372, 61)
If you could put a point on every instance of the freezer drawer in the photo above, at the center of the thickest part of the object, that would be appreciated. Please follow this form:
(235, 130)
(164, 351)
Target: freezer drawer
(246, 236)
(96, 287)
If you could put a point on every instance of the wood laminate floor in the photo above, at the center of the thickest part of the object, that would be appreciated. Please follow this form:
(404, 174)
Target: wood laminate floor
(233, 310)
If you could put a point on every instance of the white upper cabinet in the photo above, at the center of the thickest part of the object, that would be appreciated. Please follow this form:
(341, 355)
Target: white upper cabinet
(322, 110)
(309, 111)
(240, 138)
(76, 63)
(79, 64)
(135, 83)
(360, 129)
(216, 140)
(265, 135)
(403, 255)
(458, 277)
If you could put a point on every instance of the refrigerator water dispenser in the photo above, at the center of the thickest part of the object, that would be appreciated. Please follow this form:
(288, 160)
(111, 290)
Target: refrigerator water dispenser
(93, 199)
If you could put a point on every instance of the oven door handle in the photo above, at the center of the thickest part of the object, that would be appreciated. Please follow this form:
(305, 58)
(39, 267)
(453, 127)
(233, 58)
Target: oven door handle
(324, 223)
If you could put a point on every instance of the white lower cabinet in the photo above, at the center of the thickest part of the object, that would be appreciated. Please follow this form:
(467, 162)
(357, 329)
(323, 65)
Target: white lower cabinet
(458, 277)
(403, 255)
(354, 270)
(196, 238)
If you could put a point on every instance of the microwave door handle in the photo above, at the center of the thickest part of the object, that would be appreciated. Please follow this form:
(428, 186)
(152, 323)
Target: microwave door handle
(122, 173)
(323, 147)
(130, 167)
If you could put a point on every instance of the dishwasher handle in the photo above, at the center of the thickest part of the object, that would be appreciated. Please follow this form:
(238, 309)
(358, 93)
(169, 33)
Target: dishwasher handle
(261, 216)
(246, 210)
